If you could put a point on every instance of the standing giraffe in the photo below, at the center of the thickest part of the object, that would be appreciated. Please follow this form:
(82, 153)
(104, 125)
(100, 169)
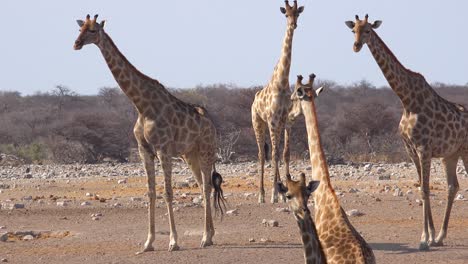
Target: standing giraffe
(297, 194)
(271, 106)
(340, 241)
(431, 126)
(166, 127)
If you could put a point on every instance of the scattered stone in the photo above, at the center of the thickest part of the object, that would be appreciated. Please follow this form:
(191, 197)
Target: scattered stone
(197, 200)
(419, 202)
(367, 167)
(232, 212)
(28, 176)
(252, 240)
(95, 218)
(354, 212)
(62, 203)
(377, 199)
(4, 260)
(353, 190)
(89, 195)
(460, 197)
(123, 181)
(265, 240)
(13, 206)
(397, 192)
(85, 203)
(273, 223)
(409, 192)
(179, 185)
(2, 227)
(283, 210)
(384, 177)
(28, 237)
(247, 195)
(380, 170)
(3, 237)
(27, 198)
(387, 188)
(136, 199)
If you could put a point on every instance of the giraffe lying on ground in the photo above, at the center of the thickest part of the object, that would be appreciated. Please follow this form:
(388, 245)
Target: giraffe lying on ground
(340, 241)
(297, 194)
(166, 127)
(431, 126)
(271, 106)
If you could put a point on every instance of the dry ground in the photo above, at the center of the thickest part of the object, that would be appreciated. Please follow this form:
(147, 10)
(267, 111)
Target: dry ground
(391, 226)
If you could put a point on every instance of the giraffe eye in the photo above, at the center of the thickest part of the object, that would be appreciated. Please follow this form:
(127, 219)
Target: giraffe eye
(353, 31)
(288, 196)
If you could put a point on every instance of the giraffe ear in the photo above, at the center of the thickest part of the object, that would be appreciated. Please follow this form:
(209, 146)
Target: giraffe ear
(80, 22)
(281, 188)
(376, 24)
(318, 91)
(283, 10)
(350, 24)
(102, 23)
(300, 10)
(313, 185)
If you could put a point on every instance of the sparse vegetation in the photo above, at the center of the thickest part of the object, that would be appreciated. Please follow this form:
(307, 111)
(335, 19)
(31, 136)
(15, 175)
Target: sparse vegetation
(357, 123)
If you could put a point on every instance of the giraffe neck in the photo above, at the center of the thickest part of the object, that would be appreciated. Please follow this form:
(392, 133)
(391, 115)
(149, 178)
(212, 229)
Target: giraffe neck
(138, 87)
(395, 73)
(280, 78)
(313, 252)
(324, 197)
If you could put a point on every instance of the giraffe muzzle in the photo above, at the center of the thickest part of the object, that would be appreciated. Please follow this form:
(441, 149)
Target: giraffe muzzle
(357, 46)
(78, 45)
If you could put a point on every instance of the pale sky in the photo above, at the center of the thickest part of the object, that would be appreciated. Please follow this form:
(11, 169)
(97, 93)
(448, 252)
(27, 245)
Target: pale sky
(184, 43)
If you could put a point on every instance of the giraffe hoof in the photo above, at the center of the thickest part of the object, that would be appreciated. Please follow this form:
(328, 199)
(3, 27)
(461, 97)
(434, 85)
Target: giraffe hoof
(174, 247)
(261, 199)
(423, 246)
(206, 244)
(146, 249)
(438, 243)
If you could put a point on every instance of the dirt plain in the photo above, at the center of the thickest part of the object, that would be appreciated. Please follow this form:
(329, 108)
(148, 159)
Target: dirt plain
(391, 224)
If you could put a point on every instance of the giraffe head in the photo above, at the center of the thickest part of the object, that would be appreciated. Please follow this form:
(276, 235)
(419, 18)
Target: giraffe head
(90, 32)
(292, 13)
(299, 91)
(297, 194)
(362, 30)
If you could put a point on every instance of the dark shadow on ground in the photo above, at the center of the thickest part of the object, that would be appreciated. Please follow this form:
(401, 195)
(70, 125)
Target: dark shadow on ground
(396, 248)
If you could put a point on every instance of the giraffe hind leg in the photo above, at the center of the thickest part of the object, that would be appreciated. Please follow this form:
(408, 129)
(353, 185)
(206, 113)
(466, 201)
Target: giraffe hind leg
(450, 165)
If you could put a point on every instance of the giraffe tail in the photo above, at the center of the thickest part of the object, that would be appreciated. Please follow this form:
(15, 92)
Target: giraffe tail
(219, 201)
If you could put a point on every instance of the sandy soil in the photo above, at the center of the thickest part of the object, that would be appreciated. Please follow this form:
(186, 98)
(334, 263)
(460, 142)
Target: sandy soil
(391, 226)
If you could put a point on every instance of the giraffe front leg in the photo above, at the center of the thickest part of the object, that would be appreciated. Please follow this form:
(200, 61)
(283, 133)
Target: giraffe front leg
(260, 129)
(450, 165)
(286, 151)
(166, 164)
(427, 235)
(147, 157)
(274, 135)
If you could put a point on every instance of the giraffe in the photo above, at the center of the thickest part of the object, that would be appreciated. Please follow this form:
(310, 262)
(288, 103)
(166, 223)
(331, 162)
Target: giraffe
(271, 105)
(339, 239)
(297, 194)
(166, 127)
(431, 126)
